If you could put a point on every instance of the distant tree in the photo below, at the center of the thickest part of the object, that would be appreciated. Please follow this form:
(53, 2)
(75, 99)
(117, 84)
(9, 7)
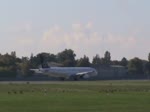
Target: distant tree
(149, 57)
(8, 64)
(25, 59)
(7, 60)
(32, 61)
(124, 62)
(83, 62)
(107, 58)
(115, 62)
(96, 61)
(68, 63)
(32, 56)
(147, 68)
(135, 66)
(67, 57)
(24, 68)
(13, 54)
(42, 59)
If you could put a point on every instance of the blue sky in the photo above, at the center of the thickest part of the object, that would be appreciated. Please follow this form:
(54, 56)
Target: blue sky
(88, 27)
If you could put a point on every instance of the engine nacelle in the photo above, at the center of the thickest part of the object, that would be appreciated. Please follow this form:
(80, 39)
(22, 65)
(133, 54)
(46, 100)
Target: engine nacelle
(86, 76)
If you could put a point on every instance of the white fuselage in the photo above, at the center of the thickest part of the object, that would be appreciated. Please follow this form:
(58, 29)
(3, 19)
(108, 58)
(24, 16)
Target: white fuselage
(66, 72)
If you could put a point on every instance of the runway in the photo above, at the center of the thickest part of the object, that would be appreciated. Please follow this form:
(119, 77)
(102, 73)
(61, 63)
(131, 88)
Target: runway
(48, 82)
(31, 82)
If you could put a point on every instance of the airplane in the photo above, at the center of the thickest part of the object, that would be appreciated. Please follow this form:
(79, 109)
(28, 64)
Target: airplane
(64, 73)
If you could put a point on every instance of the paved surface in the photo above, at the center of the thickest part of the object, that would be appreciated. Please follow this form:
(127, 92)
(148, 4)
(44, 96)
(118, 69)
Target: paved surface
(30, 82)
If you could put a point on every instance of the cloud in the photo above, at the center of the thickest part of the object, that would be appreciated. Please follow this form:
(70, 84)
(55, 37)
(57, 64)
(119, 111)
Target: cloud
(24, 41)
(123, 4)
(18, 37)
(122, 41)
(19, 28)
(83, 39)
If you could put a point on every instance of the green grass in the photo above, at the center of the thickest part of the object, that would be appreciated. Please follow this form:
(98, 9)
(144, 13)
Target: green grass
(96, 96)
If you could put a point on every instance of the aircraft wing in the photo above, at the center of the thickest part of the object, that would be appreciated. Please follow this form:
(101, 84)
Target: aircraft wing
(83, 73)
(86, 74)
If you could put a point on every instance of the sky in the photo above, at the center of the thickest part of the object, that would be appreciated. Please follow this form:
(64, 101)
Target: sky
(88, 27)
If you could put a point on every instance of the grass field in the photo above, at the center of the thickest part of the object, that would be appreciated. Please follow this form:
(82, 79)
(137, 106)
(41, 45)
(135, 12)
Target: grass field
(93, 96)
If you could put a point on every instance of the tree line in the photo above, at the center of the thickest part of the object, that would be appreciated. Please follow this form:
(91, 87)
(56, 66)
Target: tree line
(11, 65)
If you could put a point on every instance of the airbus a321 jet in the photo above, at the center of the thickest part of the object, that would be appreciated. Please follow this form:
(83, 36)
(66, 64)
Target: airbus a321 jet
(64, 73)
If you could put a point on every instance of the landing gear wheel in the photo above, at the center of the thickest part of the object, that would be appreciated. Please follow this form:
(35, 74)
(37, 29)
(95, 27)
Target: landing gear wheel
(62, 78)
